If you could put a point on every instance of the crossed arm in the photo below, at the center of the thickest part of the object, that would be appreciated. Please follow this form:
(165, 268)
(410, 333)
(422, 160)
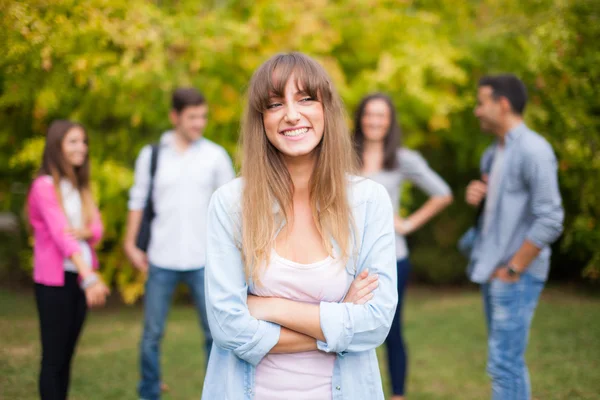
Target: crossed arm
(301, 322)
(252, 327)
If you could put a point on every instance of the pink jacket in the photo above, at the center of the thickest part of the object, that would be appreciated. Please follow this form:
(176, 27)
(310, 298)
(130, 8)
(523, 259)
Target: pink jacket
(51, 242)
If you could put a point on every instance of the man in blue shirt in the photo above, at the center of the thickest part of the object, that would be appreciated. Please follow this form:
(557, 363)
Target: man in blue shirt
(521, 217)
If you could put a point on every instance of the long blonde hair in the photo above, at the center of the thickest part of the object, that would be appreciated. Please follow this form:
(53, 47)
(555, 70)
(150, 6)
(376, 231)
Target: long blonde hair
(267, 182)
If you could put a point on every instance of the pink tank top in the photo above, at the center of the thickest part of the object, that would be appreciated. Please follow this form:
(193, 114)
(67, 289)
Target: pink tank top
(307, 375)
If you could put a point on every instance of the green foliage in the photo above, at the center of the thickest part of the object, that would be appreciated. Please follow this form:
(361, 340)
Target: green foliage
(553, 46)
(112, 66)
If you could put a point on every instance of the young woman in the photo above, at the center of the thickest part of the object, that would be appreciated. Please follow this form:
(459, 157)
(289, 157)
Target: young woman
(301, 277)
(376, 140)
(66, 225)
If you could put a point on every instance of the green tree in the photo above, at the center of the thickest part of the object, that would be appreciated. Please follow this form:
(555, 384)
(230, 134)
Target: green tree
(113, 65)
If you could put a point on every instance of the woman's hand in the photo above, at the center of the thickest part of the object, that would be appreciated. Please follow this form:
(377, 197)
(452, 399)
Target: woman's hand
(79, 234)
(268, 308)
(95, 295)
(402, 226)
(361, 289)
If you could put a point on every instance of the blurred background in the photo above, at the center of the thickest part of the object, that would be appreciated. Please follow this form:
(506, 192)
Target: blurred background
(112, 66)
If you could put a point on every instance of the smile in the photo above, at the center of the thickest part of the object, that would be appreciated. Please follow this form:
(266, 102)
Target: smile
(294, 132)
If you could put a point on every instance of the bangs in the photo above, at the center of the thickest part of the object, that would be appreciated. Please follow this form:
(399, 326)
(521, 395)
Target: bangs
(270, 79)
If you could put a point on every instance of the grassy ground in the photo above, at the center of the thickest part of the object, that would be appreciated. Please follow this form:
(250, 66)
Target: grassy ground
(444, 330)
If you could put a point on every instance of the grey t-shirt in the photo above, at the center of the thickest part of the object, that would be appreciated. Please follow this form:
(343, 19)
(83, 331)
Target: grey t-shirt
(412, 167)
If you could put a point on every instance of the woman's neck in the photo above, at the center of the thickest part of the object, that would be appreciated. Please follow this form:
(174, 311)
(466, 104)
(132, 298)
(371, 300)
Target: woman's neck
(372, 156)
(373, 146)
(301, 169)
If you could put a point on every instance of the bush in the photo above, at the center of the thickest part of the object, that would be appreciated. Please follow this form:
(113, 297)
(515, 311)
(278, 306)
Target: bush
(112, 66)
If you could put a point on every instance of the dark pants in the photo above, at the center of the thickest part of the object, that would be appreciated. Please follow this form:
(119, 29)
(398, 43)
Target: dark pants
(396, 350)
(61, 310)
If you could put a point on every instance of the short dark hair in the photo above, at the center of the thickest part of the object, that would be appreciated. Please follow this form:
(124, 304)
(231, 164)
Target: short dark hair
(186, 97)
(509, 86)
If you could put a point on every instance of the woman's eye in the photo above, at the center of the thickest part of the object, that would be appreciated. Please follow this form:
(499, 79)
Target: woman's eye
(273, 105)
(305, 99)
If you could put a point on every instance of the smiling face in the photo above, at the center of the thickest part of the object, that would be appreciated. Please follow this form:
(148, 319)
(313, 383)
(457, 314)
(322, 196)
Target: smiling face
(75, 147)
(294, 121)
(376, 120)
(190, 122)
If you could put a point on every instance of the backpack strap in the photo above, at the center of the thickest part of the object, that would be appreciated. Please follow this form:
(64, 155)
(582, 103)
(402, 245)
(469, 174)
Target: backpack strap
(153, 161)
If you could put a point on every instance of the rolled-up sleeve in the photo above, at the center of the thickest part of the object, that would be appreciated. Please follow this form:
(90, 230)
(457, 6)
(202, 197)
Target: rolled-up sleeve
(546, 203)
(350, 327)
(141, 182)
(231, 325)
(416, 170)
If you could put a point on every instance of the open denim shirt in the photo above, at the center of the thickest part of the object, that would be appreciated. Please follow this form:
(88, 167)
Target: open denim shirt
(529, 207)
(352, 331)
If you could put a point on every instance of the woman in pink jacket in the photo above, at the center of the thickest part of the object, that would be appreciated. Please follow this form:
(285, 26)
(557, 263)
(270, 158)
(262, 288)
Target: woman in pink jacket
(66, 225)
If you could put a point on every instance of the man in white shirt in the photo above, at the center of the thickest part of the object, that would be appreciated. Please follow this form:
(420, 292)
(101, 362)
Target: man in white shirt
(189, 169)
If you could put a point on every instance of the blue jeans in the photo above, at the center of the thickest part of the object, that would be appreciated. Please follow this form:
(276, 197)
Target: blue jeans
(160, 285)
(509, 310)
(396, 349)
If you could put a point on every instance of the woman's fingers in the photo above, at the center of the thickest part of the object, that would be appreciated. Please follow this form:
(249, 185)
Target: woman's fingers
(96, 295)
(365, 299)
(367, 286)
(361, 284)
(360, 279)
(368, 289)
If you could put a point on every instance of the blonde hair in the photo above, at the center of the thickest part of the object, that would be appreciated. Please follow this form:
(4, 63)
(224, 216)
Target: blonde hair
(267, 181)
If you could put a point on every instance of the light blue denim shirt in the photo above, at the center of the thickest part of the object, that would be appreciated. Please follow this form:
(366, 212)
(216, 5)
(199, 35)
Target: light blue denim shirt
(352, 331)
(529, 206)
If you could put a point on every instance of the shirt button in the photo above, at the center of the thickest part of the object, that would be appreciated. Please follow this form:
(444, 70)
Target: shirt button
(338, 388)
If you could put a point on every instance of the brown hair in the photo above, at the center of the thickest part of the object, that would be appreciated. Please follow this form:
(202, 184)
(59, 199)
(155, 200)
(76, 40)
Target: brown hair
(267, 181)
(55, 165)
(186, 97)
(392, 138)
(510, 87)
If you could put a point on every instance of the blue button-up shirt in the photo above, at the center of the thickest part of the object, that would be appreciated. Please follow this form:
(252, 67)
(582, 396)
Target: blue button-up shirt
(528, 206)
(352, 331)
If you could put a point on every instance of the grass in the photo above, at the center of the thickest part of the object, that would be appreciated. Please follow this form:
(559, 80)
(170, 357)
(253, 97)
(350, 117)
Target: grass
(444, 330)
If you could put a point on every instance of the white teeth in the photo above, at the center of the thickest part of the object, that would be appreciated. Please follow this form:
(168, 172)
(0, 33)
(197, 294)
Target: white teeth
(296, 132)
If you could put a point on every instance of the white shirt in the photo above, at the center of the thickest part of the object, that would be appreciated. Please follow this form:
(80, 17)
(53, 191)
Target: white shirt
(71, 200)
(183, 185)
(493, 188)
